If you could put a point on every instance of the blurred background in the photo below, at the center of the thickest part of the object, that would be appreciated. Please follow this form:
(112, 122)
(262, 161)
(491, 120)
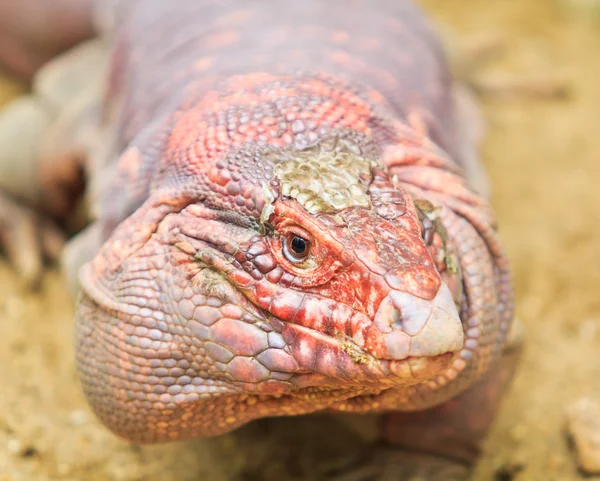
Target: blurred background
(542, 151)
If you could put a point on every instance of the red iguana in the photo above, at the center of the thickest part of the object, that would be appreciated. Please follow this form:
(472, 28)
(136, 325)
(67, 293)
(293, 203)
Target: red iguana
(287, 216)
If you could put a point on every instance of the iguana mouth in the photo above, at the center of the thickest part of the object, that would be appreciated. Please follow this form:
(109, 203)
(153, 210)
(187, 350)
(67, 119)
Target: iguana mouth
(338, 363)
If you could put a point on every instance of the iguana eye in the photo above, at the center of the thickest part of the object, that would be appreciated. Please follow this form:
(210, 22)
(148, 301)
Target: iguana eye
(295, 248)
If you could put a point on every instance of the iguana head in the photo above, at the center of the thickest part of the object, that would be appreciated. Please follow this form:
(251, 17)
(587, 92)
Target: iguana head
(306, 275)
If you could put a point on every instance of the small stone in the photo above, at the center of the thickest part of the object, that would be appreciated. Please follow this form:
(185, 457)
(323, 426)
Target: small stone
(14, 446)
(556, 462)
(14, 307)
(17, 448)
(518, 432)
(508, 472)
(588, 329)
(63, 469)
(78, 417)
(583, 426)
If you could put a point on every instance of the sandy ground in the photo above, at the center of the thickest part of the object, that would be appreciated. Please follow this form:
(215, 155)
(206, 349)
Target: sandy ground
(543, 158)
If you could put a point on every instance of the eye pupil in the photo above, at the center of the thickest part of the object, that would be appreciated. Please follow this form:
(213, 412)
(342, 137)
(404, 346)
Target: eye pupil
(296, 249)
(298, 245)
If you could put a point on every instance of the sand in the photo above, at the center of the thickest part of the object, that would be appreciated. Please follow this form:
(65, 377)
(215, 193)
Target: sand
(542, 154)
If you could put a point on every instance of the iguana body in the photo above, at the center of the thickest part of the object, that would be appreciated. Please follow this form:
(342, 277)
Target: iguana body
(281, 225)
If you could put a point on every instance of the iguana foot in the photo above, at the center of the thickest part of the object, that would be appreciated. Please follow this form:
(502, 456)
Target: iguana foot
(441, 443)
(44, 141)
(27, 238)
(389, 464)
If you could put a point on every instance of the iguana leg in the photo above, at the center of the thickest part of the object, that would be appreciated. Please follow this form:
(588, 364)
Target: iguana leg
(45, 138)
(26, 238)
(25, 234)
(441, 443)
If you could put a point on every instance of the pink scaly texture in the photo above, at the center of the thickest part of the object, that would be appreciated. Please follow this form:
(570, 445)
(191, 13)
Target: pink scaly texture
(194, 317)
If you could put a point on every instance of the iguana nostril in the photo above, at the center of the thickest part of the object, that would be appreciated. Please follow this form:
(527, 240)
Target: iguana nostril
(396, 319)
(414, 311)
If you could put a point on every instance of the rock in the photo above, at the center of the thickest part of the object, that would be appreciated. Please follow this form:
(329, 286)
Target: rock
(78, 417)
(584, 428)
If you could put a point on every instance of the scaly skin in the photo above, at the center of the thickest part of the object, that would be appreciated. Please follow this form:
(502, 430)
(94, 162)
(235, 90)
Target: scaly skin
(230, 132)
(192, 321)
